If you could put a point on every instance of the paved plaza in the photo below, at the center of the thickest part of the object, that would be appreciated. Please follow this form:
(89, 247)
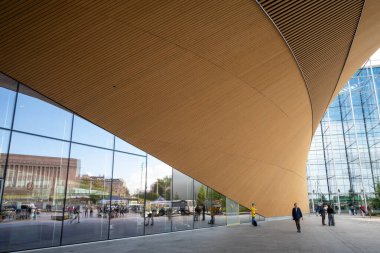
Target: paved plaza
(351, 234)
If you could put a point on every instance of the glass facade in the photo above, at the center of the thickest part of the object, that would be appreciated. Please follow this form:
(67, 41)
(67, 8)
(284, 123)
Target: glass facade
(344, 159)
(63, 180)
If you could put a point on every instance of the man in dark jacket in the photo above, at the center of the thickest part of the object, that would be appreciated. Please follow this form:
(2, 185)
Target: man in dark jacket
(297, 215)
(330, 213)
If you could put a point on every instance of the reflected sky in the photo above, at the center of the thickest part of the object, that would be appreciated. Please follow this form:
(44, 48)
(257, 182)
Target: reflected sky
(93, 161)
(88, 133)
(24, 144)
(39, 117)
(157, 169)
(131, 169)
(7, 98)
(122, 145)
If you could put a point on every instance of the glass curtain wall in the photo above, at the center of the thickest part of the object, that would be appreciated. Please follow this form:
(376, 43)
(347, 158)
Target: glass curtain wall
(232, 211)
(201, 216)
(183, 202)
(159, 211)
(344, 159)
(127, 199)
(63, 180)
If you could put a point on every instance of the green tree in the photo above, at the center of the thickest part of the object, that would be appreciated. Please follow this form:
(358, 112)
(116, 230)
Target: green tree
(162, 187)
(94, 198)
(217, 197)
(201, 197)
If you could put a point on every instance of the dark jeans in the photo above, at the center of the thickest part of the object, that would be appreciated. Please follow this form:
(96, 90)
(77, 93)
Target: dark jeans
(298, 225)
(323, 218)
(331, 219)
(212, 221)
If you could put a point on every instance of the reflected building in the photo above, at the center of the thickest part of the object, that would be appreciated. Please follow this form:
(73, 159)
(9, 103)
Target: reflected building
(59, 185)
(34, 179)
(344, 159)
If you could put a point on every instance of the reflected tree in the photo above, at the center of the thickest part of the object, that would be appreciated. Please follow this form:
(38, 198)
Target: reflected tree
(201, 197)
(162, 187)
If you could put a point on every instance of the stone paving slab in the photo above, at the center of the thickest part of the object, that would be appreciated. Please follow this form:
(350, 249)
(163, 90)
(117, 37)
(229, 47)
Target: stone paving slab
(351, 234)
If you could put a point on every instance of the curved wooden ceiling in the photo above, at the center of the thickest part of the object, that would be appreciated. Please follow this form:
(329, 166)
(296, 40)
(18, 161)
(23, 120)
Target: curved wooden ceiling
(210, 87)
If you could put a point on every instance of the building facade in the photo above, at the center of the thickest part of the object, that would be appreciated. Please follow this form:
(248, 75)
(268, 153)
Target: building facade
(344, 159)
(63, 180)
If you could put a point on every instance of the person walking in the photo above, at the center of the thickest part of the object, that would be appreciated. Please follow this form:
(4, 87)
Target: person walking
(149, 218)
(253, 214)
(212, 214)
(203, 212)
(352, 209)
(297, 215)
(322, 211)
(86, 211)
(197, 213)
(330, 214)
(362, 210)
(369, 210)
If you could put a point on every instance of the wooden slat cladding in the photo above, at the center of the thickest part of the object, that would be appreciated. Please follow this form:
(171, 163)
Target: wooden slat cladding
(319, 34)
(365, 43)
(208, 86)
(198, 84)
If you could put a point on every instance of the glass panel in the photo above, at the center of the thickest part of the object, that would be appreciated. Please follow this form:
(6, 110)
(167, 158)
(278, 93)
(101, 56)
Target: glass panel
(201, 214)
(127, 217)
(33, 193)
(245, 214)
(158, 196)
(4, 144)
(87, 133)
(39, 115)
(232, 210)
(183, 203)
(8, 87)
(217, 208)
(126, 147)
(88, 195)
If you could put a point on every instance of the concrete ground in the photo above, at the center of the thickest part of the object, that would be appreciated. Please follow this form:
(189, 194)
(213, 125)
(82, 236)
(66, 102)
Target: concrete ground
(351, 234)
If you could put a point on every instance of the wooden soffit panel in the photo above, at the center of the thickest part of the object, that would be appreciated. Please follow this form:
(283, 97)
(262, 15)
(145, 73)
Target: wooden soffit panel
(365, 43)
(209, 87)
(319, 33)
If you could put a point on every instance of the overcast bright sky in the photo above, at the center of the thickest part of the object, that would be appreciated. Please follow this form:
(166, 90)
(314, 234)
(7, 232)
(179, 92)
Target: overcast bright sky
(374, 57)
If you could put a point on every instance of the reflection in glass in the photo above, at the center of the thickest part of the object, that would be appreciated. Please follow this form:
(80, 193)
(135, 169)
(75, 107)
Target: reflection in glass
(4, 143)
(159, 212)
(7, 99)
(217, 208)
(39, 115)
(128, 184)
(39, 202)
(245, 214)
(33, 193)
(202, 217)
(232, 211)
(182, 203)
(88, 195)
(126, 147)
(87, 133)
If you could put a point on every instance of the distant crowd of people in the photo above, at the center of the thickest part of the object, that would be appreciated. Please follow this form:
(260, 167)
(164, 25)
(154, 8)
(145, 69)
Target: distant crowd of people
(75, 211)
(324, 210)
